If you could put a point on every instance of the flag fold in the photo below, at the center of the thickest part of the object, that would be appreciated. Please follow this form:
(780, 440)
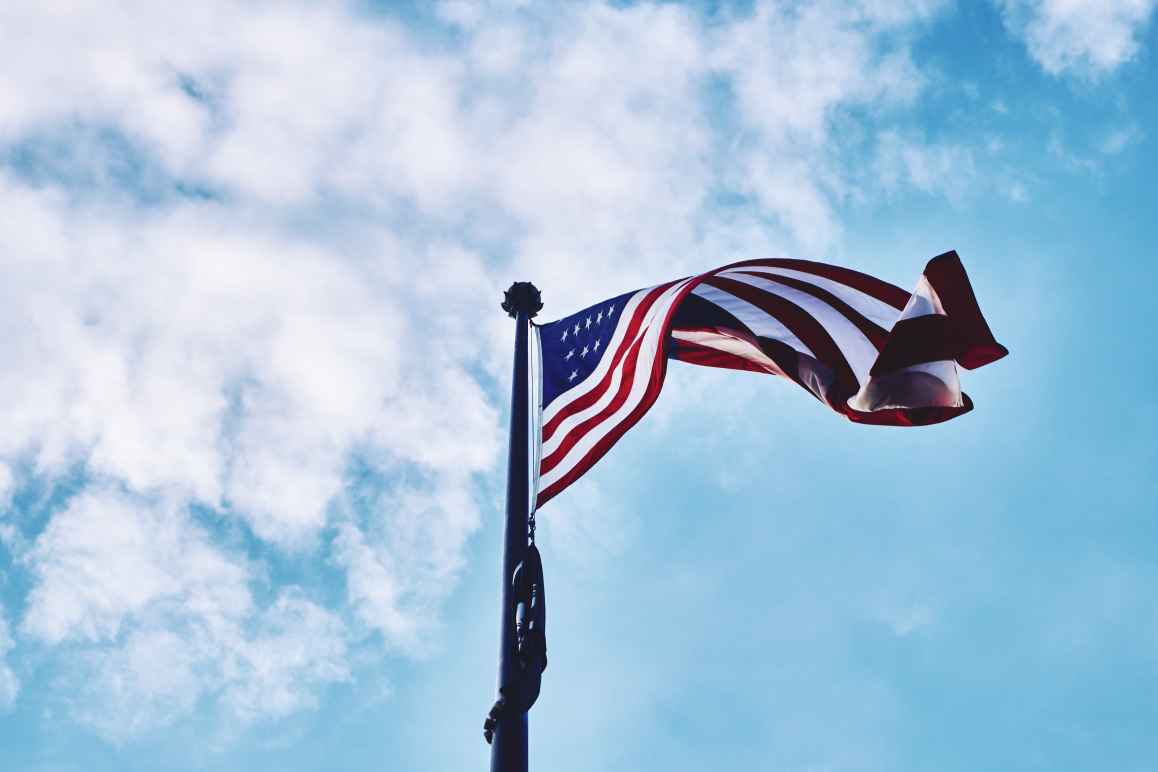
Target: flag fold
(866, 348)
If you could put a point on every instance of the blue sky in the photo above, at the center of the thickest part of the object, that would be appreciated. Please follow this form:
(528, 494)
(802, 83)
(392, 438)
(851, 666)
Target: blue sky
(255, 385)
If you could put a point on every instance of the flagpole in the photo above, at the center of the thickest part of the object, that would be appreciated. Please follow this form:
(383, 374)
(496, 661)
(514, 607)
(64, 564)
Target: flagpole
(509, 747)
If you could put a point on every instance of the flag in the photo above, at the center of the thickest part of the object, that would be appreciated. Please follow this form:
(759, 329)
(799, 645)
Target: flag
(867, 349)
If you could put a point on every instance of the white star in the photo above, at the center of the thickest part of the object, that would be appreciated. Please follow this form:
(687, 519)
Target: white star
(573, 376)
(583, 353)
(570, 354)
(610, 310)
(596, 347)
(599, 318)
(576, 328)
(564, 336)
(588, 327)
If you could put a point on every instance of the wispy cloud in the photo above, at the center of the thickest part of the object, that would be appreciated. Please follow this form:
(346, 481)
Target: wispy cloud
(946, 169)
(248, 252)
(1086, 37)
(9, 683)
(1117, 140)
(161, 617)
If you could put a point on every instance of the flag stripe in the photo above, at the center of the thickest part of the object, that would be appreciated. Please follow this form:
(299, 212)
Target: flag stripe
(697, 313)
(948, 278)
(869, 285)
(802, 324)
(871, 351)
(875, 334)
(919, 340)
(599, 398)
(629, 320)
(599, 446)
(632, 387)
(877, 311)
(755, 319)
(723, 348)
(583, 449)
(588, 391)
(858, 350)
(613, 398)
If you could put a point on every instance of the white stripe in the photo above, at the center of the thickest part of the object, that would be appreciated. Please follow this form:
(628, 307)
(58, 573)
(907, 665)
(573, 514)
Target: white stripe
(536, 415)
(944, 370)
(729, 344)
(759, 321)
(585, 385)
(567, 424)
(647, 356)
(873, 309)
(858, 350)
(923, 302)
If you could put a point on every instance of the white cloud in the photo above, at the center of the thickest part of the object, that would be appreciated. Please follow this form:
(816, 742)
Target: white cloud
(906, 620)
(163, 617)
(297, 647)
(159, 674)
(323, 297)
(9, 684)
(1117, 140)
(905, 162)
(1017, 192)
(1071, 159)
(108, 559)
(239, 369)
(1091, 37)
(399, 568)
(152, 679)
(586, 529)
(6, 485)
(794, 73)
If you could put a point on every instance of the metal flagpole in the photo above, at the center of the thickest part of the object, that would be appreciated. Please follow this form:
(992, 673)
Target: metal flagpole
(509, 746)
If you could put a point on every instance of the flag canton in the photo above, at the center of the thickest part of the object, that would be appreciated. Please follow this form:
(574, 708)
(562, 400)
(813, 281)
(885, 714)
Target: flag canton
(573, 346)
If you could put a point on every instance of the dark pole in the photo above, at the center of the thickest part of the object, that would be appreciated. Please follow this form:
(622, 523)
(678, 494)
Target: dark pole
(509, 748)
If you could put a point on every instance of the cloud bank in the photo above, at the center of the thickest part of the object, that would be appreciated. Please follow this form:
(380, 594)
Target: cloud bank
(252, 256)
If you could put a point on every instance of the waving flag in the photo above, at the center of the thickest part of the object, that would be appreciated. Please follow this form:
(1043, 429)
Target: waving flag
(866, 348)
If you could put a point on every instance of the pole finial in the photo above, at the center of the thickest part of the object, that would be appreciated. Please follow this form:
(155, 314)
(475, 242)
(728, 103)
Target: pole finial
(522, 296)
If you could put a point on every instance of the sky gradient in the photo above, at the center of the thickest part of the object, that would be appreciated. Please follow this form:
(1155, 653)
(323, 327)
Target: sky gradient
(255, 384)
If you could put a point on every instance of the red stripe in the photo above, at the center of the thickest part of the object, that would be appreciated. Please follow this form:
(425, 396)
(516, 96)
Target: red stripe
(917, 416)
(803, 325)
(576, 433)
(608, 440)
(944, 273)
(788, 359)
(909, 416)
(708, 356)
(592, 396)
(876, 334)
(920, 339)
(862, 282)
(949, 280)
(658, 372)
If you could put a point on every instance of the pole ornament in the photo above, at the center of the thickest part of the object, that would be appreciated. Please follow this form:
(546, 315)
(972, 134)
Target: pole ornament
(522, 296)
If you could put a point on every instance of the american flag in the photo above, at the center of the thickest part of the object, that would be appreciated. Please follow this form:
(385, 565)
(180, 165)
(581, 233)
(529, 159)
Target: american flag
(866, 348)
